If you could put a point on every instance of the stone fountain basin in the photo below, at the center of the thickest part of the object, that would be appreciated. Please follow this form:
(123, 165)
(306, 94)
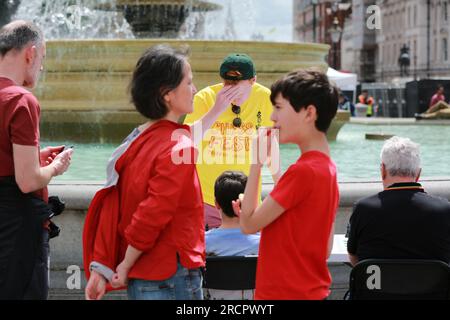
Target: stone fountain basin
(85, 81)
(94, 74)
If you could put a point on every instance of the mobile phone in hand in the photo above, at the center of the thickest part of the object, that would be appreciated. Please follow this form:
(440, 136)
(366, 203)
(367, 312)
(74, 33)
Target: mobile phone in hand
(66, 148)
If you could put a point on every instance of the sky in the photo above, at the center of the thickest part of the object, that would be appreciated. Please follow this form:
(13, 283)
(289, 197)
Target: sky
(270, 18)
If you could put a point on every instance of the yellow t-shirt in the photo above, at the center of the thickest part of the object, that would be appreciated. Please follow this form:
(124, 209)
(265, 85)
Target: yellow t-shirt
(225, 147)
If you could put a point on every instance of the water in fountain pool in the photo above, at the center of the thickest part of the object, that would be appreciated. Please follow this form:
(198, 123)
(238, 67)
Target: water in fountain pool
(356, 157)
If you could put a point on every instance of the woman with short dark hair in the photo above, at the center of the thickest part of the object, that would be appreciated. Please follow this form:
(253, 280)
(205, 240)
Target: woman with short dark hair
(146, 227)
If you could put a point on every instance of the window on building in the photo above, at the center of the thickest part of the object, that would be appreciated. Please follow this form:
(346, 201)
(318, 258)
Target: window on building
(436, 16)
(445, 11)
(445, 49)
(415, 16)
(385, 55)
(408, 18)
(380, 54)
(435, 49)
(415, 49)
(394, 56)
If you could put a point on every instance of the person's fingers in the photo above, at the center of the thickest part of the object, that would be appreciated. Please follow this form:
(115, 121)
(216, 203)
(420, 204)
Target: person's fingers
(56, 148)
(89, 290)
(65, 155)
(115, 281)
(100, 291)
(224, 91)
(232, 91)
(244, 87)
(86, 293)
(100, 294)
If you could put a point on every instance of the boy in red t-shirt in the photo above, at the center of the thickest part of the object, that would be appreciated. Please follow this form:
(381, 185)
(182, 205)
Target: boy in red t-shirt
(297, 218)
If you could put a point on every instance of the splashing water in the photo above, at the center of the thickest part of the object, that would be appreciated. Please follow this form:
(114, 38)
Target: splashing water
(83, 19)
(75, 19)
(236, 21)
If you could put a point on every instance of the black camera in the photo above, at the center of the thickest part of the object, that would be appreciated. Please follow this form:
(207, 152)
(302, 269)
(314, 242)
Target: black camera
(56, 207)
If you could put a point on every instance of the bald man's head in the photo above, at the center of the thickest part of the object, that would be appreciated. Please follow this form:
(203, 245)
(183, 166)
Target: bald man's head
(18, 34)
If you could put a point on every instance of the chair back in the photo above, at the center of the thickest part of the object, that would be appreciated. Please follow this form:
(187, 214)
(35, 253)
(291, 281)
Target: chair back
(230, 272)
(400, 279)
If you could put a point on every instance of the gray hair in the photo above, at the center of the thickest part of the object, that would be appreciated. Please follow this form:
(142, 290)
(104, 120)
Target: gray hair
(401, 157)
(17, 34)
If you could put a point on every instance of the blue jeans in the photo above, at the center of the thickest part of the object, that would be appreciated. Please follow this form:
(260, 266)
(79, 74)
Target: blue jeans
(186, 284)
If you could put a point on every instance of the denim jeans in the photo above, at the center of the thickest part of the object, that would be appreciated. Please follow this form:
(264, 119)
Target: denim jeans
(186, 284)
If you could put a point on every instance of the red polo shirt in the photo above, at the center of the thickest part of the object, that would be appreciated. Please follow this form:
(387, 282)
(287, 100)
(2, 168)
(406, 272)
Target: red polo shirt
(19, 124)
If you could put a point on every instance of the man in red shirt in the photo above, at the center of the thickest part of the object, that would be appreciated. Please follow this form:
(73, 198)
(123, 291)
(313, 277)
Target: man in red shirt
(297, 218)
(438, 108)
(437, 97)
(25, 170)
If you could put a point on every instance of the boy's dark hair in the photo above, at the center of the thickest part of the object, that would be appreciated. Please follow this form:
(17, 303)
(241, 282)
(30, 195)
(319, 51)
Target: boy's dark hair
(18, 34)
(227, 188)
(309, 87)
(159, 70)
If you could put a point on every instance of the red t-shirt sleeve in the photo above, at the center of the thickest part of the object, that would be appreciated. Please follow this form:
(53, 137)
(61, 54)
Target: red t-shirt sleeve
(294, 186)
(164, 192)
(24, 124)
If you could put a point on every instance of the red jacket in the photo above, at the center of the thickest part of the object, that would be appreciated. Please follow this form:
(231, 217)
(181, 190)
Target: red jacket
(156, 207)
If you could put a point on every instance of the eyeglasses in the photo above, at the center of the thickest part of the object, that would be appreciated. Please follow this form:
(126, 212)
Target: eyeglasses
(237, 122)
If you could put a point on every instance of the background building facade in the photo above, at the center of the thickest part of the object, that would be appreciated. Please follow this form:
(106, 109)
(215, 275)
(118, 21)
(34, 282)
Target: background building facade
(422, 26)
(313, 21)
(359, 46)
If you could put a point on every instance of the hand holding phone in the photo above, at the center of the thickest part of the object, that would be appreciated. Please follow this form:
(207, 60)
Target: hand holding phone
(67, 148)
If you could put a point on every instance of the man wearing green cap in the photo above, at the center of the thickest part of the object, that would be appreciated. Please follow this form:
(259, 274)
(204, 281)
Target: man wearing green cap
(226, 145)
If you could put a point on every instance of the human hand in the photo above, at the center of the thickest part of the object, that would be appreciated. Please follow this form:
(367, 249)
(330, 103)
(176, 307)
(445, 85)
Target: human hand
(273, 159)
(120, 278)
(232, 93)
(245, 90)
(48, 154)
(62, 162)
(262, 145)
(95, 288)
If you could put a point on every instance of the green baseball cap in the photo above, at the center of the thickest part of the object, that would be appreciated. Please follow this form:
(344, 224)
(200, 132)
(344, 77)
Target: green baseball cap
(237, 62)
